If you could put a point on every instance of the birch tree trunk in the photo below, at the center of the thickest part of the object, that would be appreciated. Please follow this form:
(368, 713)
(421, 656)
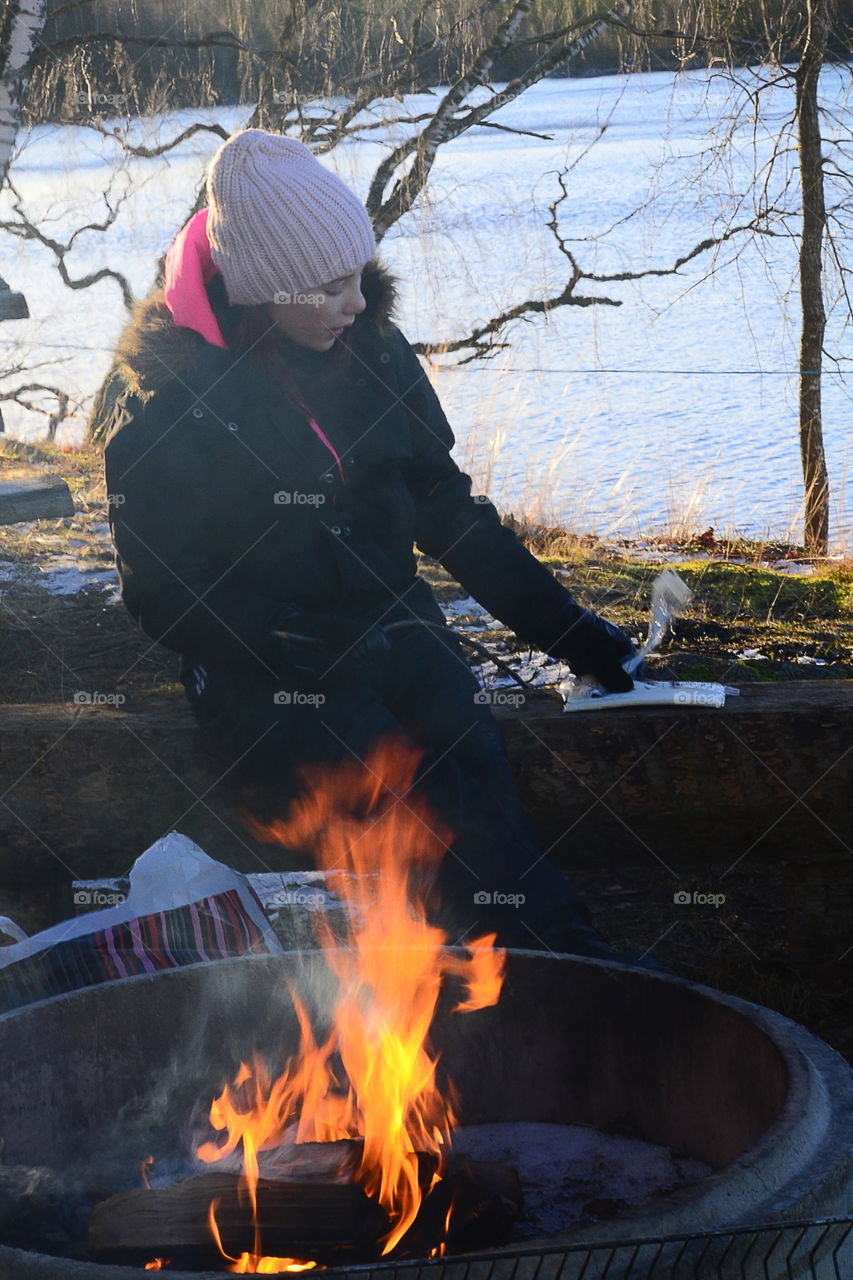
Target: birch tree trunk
(22, 24)
(815, 477)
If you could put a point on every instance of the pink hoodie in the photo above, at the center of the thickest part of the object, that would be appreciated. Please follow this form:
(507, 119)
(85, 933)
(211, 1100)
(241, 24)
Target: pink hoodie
(189, 267)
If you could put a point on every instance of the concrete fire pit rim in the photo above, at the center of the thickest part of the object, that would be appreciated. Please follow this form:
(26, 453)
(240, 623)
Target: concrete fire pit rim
(769, 1021)
(807, 1058)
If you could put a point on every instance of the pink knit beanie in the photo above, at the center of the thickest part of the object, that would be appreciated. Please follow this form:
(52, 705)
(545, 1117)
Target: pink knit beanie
(279, 222)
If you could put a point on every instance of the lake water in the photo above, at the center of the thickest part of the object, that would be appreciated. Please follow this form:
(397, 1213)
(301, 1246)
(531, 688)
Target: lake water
(678, 406)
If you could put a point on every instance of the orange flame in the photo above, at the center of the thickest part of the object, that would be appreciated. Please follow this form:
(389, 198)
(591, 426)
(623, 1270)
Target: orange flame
(253, 1263)
(381, 847)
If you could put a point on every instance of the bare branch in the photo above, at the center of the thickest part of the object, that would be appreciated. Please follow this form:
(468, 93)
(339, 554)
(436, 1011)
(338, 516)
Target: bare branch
(426, 144)
(148, 153)
(55, 417)
(447, 123)
(481, 342)
(25, 229)
(521, 133)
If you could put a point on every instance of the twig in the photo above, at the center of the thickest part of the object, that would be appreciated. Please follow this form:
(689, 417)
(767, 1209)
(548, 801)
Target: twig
(25, 229)
(148, 153)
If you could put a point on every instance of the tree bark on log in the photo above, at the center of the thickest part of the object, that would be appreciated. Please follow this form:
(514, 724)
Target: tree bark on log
(308, 1220)
(88, 788)
(34, 496)
(297, 1220)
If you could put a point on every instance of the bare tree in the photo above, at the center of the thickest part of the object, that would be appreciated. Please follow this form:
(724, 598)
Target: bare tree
(801, 32)
(21, 25)
(770, 35)
(812, 451)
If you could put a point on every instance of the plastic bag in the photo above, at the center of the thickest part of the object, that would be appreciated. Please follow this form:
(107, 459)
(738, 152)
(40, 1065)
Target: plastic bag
(670, 597)
(182, 908)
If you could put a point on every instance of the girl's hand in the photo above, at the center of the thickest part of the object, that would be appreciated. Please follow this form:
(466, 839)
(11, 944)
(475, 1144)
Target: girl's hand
(592, 646)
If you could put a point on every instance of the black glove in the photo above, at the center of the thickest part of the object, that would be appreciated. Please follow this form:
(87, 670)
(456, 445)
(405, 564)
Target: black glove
(592, 646)
(317, 643)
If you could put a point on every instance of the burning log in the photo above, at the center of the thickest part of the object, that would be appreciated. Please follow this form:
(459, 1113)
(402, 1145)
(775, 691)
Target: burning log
(297, 1220)
(473, 1205)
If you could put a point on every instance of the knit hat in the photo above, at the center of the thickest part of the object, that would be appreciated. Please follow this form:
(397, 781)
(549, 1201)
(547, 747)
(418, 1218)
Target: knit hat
(279, 222)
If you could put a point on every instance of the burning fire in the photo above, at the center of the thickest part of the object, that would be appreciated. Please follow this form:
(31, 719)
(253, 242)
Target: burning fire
(373, 1076)
(253, 1263)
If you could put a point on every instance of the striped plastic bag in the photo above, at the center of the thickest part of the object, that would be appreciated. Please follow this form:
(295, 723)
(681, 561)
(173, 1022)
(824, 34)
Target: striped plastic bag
(182, 908)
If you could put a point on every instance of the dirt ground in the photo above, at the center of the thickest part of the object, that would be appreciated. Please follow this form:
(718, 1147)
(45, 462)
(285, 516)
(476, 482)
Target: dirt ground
(759, 613)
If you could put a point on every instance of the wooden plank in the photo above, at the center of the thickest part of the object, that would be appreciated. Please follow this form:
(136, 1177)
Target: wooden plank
(768, 777)
(33, 495)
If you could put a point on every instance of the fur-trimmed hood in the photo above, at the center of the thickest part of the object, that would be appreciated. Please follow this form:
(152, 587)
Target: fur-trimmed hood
(152, 348)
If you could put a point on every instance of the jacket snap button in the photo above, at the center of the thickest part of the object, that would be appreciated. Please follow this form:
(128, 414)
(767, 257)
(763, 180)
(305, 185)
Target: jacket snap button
(346, 530)
(385, 358)
(232, 426)
(336, 530)
(328, 478)
(361, 382)
(198, 413)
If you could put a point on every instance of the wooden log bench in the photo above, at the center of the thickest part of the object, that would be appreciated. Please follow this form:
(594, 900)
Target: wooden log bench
(13, 305)
(769, 777)
(29, 494)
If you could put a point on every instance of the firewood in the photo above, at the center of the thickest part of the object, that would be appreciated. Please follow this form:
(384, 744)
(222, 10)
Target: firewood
(484, 1200)
(297, 1220)
(307, 1219)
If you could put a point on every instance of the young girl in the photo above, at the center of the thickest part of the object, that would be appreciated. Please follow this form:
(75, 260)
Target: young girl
(276, 454)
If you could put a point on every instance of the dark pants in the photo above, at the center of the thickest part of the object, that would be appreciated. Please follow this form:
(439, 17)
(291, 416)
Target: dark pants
(494, 876)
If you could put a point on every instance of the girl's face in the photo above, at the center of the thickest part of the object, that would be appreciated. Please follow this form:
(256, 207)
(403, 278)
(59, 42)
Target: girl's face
(319, 317)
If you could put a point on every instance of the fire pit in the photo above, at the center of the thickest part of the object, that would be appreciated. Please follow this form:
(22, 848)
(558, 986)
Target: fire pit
(757, 1098)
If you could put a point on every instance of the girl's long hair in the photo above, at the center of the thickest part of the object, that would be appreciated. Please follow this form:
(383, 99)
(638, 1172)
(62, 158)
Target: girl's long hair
(251, 332)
